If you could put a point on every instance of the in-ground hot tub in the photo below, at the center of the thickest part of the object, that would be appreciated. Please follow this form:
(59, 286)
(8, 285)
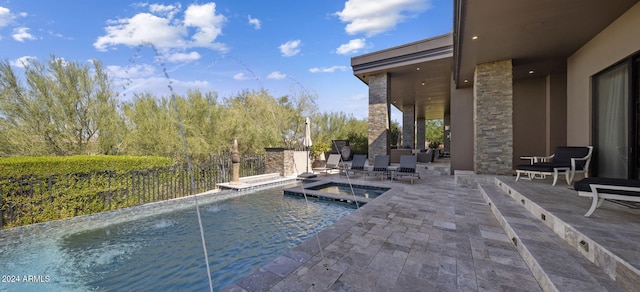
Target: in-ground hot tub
(337, 191)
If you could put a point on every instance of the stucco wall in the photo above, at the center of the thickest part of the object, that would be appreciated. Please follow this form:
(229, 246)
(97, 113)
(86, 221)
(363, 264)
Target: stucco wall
(529, 118)
(461, 128)
(618, 41)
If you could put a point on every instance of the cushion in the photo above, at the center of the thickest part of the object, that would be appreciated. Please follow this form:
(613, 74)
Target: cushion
(563, 155)
(583, 185)
(541, 166)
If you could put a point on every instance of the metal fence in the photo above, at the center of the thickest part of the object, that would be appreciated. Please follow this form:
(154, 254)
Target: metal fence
(32, 200)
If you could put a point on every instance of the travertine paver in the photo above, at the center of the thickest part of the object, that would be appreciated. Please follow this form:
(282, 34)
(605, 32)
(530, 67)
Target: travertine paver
(426, 236)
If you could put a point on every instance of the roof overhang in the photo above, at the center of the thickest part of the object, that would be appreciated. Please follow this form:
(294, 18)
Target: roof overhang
(538, 36)
(419, 73)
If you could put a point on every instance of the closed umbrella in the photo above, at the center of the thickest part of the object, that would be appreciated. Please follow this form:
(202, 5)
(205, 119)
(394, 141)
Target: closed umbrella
(307, 134)
(307, 143)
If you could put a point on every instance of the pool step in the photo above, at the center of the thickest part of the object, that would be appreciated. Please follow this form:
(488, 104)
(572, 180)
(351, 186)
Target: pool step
(556, 265)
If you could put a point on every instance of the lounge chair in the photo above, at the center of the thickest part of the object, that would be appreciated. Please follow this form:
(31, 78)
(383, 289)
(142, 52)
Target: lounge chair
(407, 168)
(333, 162)
(357, 165)
(380, 167)
(600, 188)
(567, 160)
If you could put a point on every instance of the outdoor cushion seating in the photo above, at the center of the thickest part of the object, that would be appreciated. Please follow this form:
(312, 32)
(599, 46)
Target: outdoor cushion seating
(357, 165)
(600, 188)
(407, 168)
(333, 162)
(394, 156)
(566, 159)
(425, 156)
(380, 167)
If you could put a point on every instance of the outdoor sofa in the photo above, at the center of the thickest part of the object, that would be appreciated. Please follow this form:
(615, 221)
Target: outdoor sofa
(566, 159)
(600, 188)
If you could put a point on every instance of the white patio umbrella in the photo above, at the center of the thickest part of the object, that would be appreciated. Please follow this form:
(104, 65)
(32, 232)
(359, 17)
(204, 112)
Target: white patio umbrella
(307, 143)
(307, 134)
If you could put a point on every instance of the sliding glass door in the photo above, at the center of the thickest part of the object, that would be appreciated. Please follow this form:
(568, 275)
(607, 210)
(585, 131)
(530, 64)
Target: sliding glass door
(613, 121)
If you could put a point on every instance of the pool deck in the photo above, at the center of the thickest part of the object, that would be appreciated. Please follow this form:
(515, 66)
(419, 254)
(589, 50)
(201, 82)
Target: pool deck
(445, 234)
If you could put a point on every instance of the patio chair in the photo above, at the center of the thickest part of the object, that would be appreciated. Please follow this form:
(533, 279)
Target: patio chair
(566, 159)
(600, 188)
(380, 167)
(407, 168)
(333, 162)
(357, 165)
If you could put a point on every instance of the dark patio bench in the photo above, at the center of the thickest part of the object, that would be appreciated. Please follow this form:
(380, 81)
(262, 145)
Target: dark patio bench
(566, 159)
(600, 188)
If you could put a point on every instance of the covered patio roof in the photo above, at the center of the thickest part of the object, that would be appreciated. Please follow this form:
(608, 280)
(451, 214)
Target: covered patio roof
(420, 74)
(538, 36)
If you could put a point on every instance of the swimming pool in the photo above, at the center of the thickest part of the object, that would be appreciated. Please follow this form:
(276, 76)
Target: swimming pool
(163, 252)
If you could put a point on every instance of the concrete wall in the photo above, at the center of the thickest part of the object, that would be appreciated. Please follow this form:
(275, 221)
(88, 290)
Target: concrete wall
(615, 43)
(461, 128)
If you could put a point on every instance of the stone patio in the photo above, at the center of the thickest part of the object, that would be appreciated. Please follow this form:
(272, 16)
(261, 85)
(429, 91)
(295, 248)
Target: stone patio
(443, 233)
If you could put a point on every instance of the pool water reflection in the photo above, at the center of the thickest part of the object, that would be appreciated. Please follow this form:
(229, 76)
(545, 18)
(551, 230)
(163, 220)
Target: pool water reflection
(164, 252)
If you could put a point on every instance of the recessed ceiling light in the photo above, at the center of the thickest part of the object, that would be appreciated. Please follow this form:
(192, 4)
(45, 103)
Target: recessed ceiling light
(423, 83)
(418, 68)
(475, 37)
(531, 72)
(466, 81)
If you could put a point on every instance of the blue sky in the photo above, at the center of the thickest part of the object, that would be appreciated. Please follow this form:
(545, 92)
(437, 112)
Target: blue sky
(284, 46)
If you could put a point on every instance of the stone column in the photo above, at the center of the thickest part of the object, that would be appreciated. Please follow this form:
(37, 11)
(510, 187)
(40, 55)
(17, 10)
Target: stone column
(420, 132)
(280, 161)
(409, 126)
(493, 118)
(379, 112)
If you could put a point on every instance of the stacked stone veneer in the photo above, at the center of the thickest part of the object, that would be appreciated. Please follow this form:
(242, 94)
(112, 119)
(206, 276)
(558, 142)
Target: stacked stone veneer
(493, 118)
(280, 161)
(420, 134)
(408, 126)
(378, 115)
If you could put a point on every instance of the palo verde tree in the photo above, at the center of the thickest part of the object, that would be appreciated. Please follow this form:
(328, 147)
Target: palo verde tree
(60, 108)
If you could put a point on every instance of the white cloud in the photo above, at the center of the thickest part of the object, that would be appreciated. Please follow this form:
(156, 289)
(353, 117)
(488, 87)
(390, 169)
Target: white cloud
(277, 75)
(137, 71)
(374, 17)
(159, 86)
(183, 57)
(21, 34)
(328, 69)
(5, 16)
(142, 28)
(240, 76)
(290, 48)
(353, 46)
(208, 23)
(168, 10)
(165, 33)
(23, 61)
(255, 22)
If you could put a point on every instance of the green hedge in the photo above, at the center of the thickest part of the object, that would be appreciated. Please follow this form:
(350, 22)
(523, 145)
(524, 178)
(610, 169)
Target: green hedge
(45, 166)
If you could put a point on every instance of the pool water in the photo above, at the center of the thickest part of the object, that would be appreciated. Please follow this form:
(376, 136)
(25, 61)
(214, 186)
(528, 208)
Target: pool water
(346, 189)
(164, 252)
